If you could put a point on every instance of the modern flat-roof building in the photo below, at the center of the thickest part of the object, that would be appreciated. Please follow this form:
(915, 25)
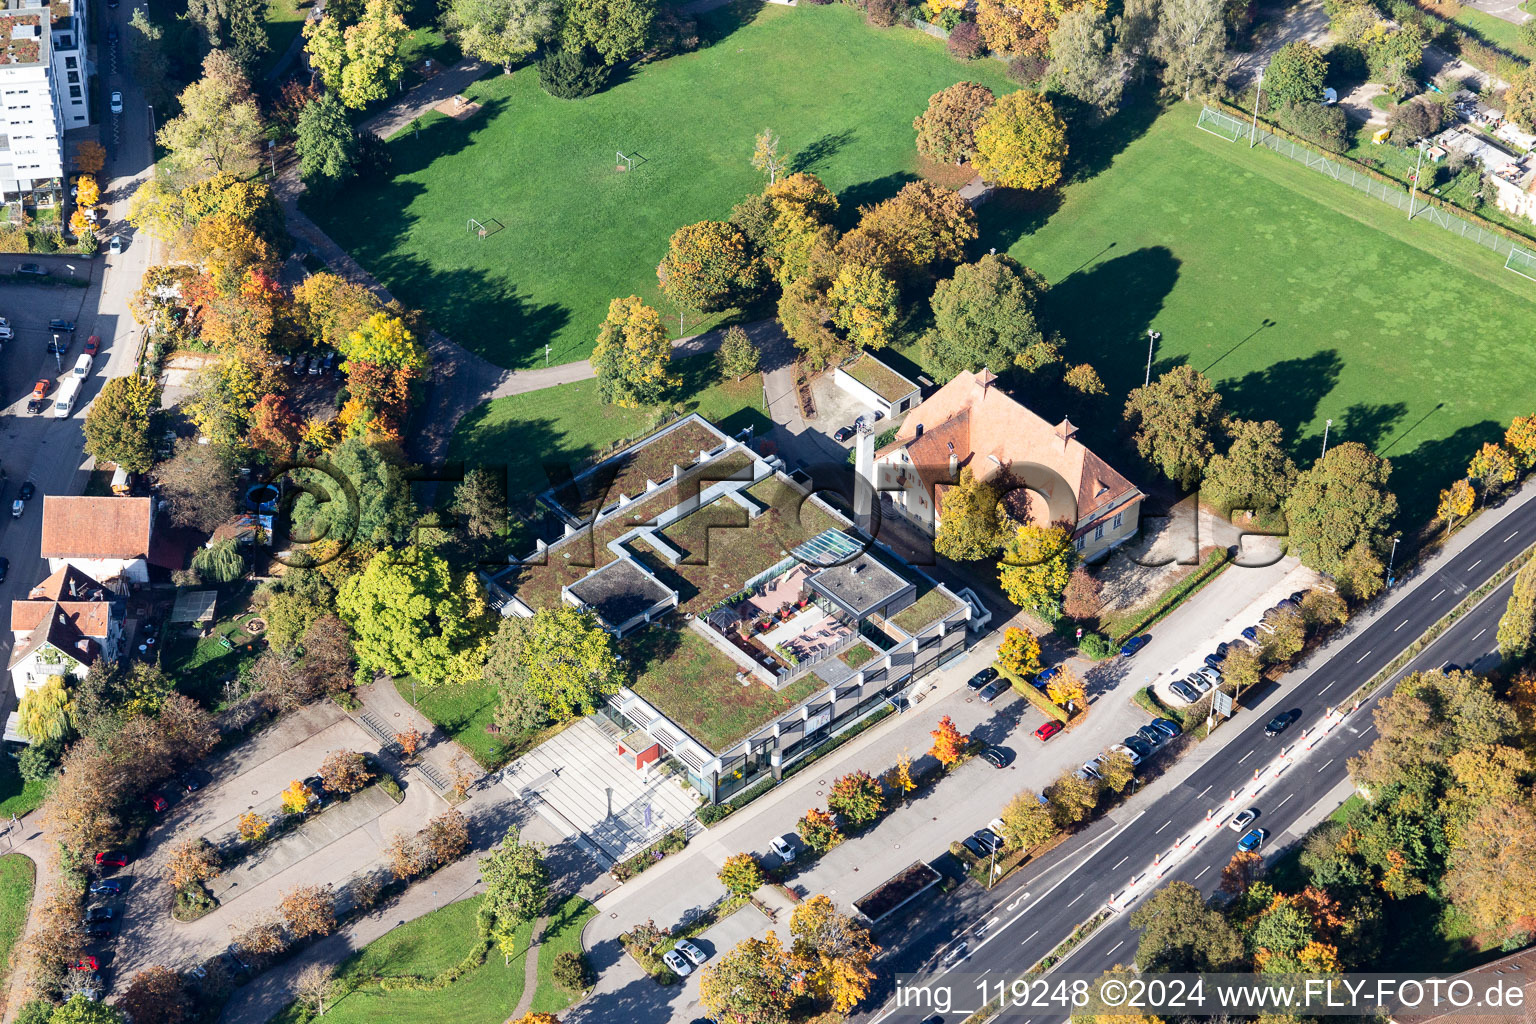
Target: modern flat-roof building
(43, 93)
(757, 619)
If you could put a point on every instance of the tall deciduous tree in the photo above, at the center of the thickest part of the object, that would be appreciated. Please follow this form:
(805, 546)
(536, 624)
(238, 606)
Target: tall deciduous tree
(308, 910)
(326, 143)
(1190, 40)
(946, 131)
(1176, 417)
(1180, 933)
(361, 62)
(1517, 627)
(516, 886)
(985, 317)
(1520, 439)
(46, 712)
(1492, 466)
(219, 124)
(857, 797)
(1085, 62)
(948, 742)
(833, 950)
(120, 426)
(1456, 502)
(410, 615)
(1021, 143)
(752, 984)
(1254, 473)
(1036, 565)
(972, 525)
(562, 657)
(633, 355)
(1296, 73)
(501, 31)
(709, 266)
(738, 355)
(330, 308)
(1019, 653)
(156, 993)
(1027, 821)
(1339, 503)
(616, 30)
(864, 304)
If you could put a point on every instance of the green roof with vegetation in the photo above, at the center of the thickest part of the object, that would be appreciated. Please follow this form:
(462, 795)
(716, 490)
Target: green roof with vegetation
(879, 378)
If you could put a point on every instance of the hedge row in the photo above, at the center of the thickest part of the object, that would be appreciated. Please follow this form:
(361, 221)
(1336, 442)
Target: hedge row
(1036, 697)
(1179, 593)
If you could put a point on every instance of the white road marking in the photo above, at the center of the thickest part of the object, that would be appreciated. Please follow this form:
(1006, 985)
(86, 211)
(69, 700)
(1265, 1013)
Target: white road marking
(1362, 657)
(1030, 936)
(1245, 757)
(1437, 596)
(1163, 825)
(1400, 625)
(1111, 950)
(1510, 537)
(1481, 632)
(1326, 763)
(1078, 897)
(1202, 871)
(1122, 860)
(1325, 689)
(1474, 565)
(1282, 803)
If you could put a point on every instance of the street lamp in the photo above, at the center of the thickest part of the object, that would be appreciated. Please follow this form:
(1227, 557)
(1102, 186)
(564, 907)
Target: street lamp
(1417, 167)
(1253, 136)
(58, 358)
(71, 268)
(1153, 337)
(1391, 562)
(1326, 425)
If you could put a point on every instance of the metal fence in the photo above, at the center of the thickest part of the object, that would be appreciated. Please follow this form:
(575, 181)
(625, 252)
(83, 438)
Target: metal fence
(1226, 126)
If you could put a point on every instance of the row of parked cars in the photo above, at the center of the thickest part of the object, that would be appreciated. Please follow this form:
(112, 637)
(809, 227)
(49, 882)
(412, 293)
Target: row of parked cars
(311, 364)
(1195, 686)
(1146, 742)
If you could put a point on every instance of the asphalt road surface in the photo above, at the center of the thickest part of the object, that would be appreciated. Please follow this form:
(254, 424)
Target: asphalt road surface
(997, 938)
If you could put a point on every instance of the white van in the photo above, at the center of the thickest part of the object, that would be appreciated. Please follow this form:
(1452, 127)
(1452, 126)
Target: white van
(64, 402)
(83, 367)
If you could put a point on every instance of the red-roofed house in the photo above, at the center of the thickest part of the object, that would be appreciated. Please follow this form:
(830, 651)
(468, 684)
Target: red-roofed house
(108, 539)
(67, 624)
(970, 422)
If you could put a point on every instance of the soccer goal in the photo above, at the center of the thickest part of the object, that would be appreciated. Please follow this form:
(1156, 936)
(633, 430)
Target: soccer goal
(625, 163)
(1222, 124)
(483, 229)
(1522, 262)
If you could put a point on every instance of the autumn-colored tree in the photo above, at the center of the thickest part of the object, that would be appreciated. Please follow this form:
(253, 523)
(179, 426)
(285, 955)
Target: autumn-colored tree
(275, 429)
(445, 838)
(1176, 418)
(818, 830)
(1021, 143)
(833, 951)
(190, 863)
(898, 777)
(710, 266)
(296, 798)
(156, 994)
(741, 874)
(226, 249)
(120, 426)
(410, 742)
(802, 210)
(946, 131)
(1083, 597)
(345, 771)
(362, 61)
(948, 742)
(83, 808)
(56, 939)
(1072, 797)
(921, 228)
(1323, 607)
(87, 192)
(219, 123)
(1339, 504)
(1520, 439)
(863, 301)
(460, 777)
(403, 856)
(1245, 868)
(766, 156)
(1492, 466)
(1019, 653)
(1286, 637)
(253, 827)
(1456, 502)
(537, 1017)
(972, 525)
(90, 156)
(308, 910)
(1517, 626)
(1066, 688)
(751, 984)
(80, 225)
(1036, 565)
(1240, 667)
(1027, 821)
(633, 356)
(330, 308)
(264, 938)
(857, 797)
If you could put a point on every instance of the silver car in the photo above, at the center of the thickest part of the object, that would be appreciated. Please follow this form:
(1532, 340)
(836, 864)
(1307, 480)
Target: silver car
(679, 966)
(695, 955)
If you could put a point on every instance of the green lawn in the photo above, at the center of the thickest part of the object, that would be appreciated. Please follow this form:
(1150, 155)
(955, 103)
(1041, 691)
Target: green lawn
(285, 20)
(1303, 299)
(16, 796)
(424, 947)
(1496, 31)
(200, 667)
(462, 711)
(841, 94)
(17, 876)
(562, 934)
(569, 423)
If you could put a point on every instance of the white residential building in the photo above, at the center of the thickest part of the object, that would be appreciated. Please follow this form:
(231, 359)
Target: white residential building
(43, 93)
(108, 539)
(67, 624)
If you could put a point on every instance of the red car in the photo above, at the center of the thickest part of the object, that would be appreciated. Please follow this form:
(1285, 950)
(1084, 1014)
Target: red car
(1047, 730)
(112, 859)
(92, 345)
(86, 963)
(156, 802)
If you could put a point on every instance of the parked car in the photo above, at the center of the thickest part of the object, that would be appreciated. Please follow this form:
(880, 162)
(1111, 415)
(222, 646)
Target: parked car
(843, 433)
(1200, 683)
(116, 245)
(1121, 748)
(60, 324)
(17, 508)
(117, 102)
(975, 847)
(982, 678)
(1252, 840)
(676, 961)
(156, 802)
(997, 757)
(314, 365)
(783, 846)
(192, 781)
(1167, 727)
(992, 690)
(1046, 675)
(109, 886)
(1184, 690)
(1212, 674)
(6, 334)
(5, 567)
(99, 931)
(1139, 745)
(1213, 661)
(696, 955)
(1134, 644)
(86, 963)
(1088, 771)
(28, 488)
(82, 366)
(1242, 819)
(99, 914)
(93, 345)
(1152, 735)
(39, 400)
(316, 790)
(111, 859)
(989, 839)
(1048, 730)
(33, 269)
(1281, 722)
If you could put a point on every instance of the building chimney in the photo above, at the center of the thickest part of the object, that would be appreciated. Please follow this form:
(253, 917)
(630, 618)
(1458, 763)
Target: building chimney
(954, 467)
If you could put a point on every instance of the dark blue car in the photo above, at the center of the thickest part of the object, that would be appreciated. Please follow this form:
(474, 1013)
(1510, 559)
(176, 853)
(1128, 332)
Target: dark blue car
(1134, 644)
(1045, 676)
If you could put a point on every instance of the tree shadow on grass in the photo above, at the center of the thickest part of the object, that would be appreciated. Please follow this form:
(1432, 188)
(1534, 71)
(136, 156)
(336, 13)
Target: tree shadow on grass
(1104, 312)
(721, 23)
(1419, 471)
(1287, 392)
(413, 150)
(822, 149)
(1101, 139)
(868, 193)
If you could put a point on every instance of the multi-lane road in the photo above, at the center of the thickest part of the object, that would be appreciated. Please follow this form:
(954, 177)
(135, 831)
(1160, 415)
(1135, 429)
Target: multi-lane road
(1000, 937)
(43, 449)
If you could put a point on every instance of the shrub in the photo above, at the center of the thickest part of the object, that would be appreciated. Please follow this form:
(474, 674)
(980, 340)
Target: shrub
(37, 762)
(1324, 126)
(741, 874)
(1027, 68)
(885, 13)
(570, 76)
(965, 41)
(1414, 120)
(1096, 646)
(570, 972)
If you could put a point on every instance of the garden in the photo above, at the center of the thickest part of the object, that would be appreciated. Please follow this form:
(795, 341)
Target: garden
(578, 233)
